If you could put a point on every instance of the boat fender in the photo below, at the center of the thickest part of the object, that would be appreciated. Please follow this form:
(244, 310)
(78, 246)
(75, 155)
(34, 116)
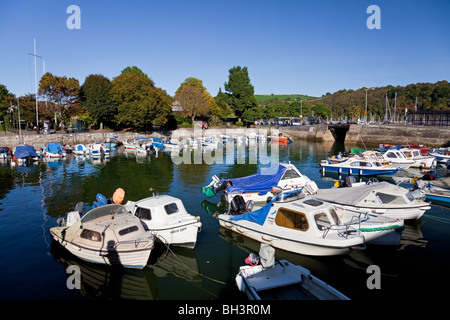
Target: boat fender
(252, 259)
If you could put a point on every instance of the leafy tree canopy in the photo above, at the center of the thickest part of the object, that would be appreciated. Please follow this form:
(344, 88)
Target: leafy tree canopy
(140, 105)
(95, 96)
(134, 70)
(62, 91)
(240, 91)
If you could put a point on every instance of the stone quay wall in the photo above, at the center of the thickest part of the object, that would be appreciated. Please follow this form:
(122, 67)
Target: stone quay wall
(357, 134)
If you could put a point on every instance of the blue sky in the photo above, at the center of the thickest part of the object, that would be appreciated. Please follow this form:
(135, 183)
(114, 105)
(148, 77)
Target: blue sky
(303, 47)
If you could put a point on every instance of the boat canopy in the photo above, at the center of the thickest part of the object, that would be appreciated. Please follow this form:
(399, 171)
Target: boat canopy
(54, 147)
(352, 195)
(25, 151)
(104, 210)
(258, 216)
(258, 182)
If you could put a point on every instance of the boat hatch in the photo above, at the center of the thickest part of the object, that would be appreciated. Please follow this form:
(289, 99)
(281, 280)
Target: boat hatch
(313, 202)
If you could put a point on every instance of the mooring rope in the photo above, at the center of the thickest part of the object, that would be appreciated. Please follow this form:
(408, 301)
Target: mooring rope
(184, 265)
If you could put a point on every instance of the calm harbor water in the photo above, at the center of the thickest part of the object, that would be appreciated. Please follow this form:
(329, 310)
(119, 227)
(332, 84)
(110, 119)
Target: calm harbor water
(32, 267)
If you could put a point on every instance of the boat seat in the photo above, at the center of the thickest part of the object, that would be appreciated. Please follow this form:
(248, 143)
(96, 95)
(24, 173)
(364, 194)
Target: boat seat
(263, 281)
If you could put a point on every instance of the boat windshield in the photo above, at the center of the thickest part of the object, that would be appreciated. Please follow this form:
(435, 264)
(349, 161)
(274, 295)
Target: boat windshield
(102, 211)
(289, 196)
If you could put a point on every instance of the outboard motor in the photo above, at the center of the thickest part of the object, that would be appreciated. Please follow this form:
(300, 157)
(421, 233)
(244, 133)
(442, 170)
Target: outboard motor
(350, 180)
(238, 205)
(79, 207)
(223, 186)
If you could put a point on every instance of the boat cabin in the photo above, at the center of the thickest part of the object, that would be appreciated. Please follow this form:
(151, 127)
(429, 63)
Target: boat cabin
(309, 213)
(157, 209)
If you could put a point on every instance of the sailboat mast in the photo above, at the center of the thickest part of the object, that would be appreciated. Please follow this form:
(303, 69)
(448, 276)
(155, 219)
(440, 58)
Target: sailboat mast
(35, 86)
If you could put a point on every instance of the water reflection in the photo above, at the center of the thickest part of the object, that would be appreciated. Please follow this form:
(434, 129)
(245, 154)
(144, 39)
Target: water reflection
(102, 282)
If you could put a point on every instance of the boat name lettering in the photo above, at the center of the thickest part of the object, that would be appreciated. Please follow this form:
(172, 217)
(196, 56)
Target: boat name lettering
(178, 230)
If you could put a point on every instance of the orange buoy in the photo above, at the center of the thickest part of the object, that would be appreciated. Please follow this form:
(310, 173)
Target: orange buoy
(118, 196)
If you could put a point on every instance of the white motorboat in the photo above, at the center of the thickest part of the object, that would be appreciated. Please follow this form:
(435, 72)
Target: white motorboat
(258, 187)
(5, 153)
(24, 153)
(357, 165)
(309, 226)
(281, 280)
(394, 157)
(80, 149)
(167, 218)
(108, 234)
(420, 161)
(171, 145)
(98, 149)
(442, 155)
(54, 150)
(380, 198)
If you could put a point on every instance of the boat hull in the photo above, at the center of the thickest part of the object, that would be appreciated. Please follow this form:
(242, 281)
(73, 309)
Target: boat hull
(358, 171)
(130, 258)
(408, 213)
(181, 235)
(284, 281)
(293, 243)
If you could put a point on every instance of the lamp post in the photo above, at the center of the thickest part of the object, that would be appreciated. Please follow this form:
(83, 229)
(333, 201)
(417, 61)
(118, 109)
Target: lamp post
(35, 83)
(365, 113)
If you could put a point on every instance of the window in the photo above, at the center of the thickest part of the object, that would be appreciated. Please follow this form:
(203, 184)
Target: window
(290, 174)
(391, 155)
(377, 164)
(128, 230)
(143, 213)
(171, 208)
(322, 221)
(91, 235)
(291, 219)
(389, 198)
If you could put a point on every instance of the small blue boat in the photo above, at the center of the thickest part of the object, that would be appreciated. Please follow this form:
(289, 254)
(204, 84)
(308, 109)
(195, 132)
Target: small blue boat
(437, 195)
(358, 166)
(54, 150)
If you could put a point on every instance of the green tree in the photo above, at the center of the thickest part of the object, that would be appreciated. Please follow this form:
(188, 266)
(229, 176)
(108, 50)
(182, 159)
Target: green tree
(321, 110)
(140, 105)
(134, 70)
(194, 101)
(5, 98)
(62, 91)
(95, 96)
(241, 93)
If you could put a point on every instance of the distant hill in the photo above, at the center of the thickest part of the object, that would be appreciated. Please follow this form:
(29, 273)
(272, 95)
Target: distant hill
(398, 99)
(264, 98)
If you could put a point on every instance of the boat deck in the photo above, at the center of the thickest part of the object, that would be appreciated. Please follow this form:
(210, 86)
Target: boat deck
(290, 292)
